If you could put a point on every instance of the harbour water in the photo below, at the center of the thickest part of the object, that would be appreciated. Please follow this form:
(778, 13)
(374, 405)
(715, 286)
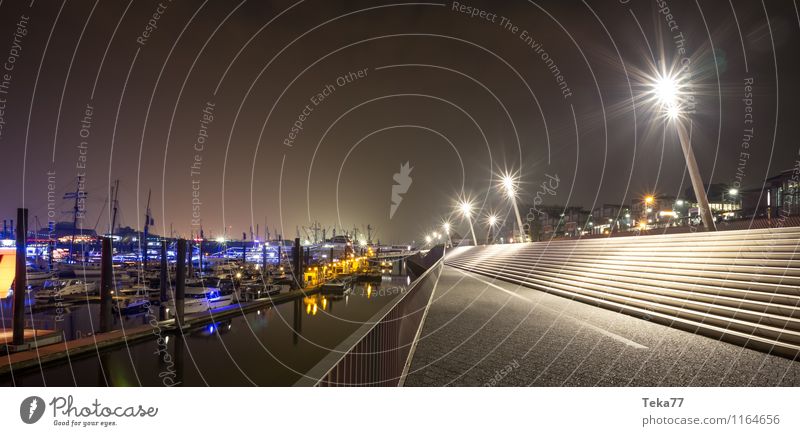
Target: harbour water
(272, 346)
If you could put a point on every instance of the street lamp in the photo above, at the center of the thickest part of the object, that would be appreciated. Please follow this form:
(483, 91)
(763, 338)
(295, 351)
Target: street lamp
(509, 185)
(446, 228)
(491, 220)
(732, 193)
(466, 210)
(669, 94)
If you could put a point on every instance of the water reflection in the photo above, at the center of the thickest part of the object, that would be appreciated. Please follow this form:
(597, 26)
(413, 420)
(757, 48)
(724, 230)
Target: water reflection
(272, 346)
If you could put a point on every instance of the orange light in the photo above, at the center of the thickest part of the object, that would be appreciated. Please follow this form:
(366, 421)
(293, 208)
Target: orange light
(8, 265)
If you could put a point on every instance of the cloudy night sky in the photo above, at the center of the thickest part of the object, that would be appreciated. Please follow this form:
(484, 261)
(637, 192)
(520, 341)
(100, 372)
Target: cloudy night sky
(459, 97)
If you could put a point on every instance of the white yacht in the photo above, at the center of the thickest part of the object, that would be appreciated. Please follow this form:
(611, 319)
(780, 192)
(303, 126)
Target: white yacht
(36, 277)
(56, 289)
(200, 299)
(81, 269)
(131, 299)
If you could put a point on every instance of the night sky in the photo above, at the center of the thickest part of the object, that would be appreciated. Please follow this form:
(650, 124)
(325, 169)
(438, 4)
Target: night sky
(460, 98)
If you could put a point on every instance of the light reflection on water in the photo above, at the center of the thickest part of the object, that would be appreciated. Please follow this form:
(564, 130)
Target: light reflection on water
(272, 346)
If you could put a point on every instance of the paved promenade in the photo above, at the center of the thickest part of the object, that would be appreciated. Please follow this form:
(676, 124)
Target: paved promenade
(482, 331)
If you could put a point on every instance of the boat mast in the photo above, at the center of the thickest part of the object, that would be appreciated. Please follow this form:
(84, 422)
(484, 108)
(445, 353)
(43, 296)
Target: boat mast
(147, 221)
(115, 205)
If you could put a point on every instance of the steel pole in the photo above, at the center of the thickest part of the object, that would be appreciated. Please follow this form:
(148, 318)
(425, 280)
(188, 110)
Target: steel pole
(697, 180)
(519, 219)
(472, 230)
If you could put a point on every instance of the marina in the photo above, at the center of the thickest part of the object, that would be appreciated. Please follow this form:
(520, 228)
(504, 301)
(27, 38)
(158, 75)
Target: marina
(132, 316)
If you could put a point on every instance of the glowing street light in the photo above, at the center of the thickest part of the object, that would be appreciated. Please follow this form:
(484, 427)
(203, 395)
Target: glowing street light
(466, 210)
(670, 95)
(491, 220)
(446, 228)
(509, 186)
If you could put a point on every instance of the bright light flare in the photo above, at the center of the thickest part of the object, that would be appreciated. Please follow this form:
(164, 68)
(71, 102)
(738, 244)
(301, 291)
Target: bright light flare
(465, 207)
(668, 93)
(492, 220)
(508, 183)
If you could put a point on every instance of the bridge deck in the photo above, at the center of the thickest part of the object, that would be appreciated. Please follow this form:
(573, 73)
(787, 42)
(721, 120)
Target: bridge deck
(480, 330)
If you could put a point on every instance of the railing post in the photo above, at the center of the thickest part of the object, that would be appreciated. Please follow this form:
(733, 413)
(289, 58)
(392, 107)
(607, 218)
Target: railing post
(21, 278)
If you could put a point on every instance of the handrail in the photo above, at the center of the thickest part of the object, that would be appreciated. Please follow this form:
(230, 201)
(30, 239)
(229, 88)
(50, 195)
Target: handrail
(363, 345)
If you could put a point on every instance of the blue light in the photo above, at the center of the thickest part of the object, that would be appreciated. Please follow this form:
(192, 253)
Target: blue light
(211, 328)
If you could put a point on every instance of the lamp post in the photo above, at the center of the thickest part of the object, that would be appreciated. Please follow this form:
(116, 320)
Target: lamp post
(491, 220)
(510, 188)
(667, 90)
(446, 228)
(648, 207)
(466, 210)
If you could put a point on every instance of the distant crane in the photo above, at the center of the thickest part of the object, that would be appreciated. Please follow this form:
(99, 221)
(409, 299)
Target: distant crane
(316, 230)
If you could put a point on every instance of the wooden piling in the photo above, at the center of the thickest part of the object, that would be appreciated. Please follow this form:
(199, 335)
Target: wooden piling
(180, 281)
(21, 279)
(106, 285)
(164, 278)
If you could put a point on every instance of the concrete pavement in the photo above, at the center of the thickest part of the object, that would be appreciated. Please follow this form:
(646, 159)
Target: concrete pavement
(480, 331)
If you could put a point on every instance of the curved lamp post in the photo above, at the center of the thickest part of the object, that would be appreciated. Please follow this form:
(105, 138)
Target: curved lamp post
(668, 93)
(466, 210)
(509, 185)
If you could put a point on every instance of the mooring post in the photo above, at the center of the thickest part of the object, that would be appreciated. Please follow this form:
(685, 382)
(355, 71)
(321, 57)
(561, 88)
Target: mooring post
(21, 279)
(200, 256)
(106, 284)
(164, 278)
(190, 253)
(296, 264)
(180, 280)
(264, 258)
(49, 255)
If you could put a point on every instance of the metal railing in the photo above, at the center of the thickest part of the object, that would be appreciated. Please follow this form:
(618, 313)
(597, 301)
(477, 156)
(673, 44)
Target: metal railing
(378, 353)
